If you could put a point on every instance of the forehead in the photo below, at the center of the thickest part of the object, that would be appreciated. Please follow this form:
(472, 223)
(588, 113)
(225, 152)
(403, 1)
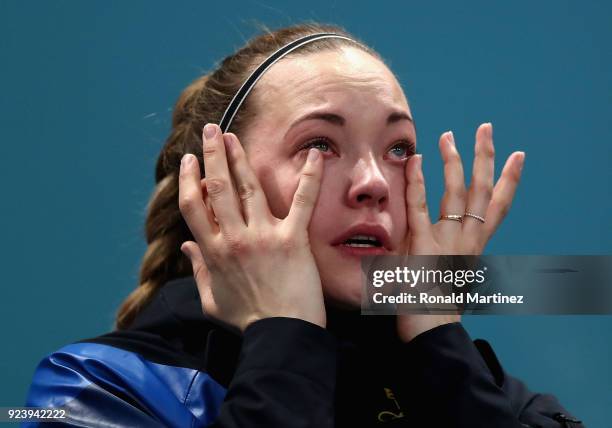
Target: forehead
(329, 78)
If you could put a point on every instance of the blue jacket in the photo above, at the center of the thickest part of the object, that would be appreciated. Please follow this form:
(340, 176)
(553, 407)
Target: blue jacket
(175, 368)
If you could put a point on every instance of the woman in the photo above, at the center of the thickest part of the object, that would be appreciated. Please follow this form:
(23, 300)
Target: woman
(256, 322)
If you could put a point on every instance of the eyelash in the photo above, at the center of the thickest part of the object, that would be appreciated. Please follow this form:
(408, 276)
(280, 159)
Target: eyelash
(409, 145)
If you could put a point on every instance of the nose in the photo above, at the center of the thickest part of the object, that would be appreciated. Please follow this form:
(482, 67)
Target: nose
(368, 185)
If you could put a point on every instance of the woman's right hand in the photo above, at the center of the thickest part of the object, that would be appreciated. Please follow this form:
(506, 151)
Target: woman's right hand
(247, 263)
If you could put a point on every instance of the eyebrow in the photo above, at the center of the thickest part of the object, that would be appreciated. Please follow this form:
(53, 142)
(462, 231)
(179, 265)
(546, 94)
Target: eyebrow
(338, 120)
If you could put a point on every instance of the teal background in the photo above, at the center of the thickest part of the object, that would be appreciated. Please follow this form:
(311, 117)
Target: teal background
(86, 95)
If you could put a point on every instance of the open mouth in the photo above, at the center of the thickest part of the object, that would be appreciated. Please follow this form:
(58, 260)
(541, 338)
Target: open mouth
(362, 241)
(358, 245)
(369, 238)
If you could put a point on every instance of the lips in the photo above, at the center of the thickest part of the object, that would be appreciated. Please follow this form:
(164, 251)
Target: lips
(370, 229)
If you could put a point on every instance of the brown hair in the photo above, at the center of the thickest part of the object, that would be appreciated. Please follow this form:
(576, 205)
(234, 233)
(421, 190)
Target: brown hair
(204, 101)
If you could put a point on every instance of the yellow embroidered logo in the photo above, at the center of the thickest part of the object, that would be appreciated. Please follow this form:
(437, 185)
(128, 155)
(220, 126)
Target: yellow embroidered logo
(387, 415)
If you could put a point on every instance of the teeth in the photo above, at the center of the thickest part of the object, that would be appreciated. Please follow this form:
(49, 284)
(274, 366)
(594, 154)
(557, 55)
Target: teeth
(369, 238)
(367, 241)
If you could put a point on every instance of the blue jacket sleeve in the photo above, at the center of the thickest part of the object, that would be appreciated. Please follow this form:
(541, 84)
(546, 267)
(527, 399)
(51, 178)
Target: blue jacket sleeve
(99, 385)
(285, 378)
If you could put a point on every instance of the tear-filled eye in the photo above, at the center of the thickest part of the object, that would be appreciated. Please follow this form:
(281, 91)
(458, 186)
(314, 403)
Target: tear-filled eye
(317, 143)
(404, 149)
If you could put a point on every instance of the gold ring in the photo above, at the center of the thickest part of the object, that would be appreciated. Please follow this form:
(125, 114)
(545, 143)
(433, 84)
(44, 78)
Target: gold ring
(453, 217)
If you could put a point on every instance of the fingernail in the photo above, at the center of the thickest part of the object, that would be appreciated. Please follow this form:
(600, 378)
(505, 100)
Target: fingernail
(419, 167)
(522, 162)
(210, 130)
(451, 138)
(313, 155)
(185, 160)
(228, 143)
(185, 251)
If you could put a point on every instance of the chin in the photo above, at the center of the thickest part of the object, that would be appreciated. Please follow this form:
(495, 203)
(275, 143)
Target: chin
(342, 294)
(341, 277)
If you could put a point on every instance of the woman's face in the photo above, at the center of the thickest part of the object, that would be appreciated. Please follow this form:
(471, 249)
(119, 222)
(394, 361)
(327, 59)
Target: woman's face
(349, 106)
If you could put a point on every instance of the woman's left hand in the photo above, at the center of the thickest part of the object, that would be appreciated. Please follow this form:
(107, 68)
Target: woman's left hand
(451, 237)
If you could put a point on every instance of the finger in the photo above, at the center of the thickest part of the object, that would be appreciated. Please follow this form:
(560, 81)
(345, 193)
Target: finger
(419, 223)
(481, 185)
(198, 265)
(219, 185)
(253, 200)
(305, 197)
(503, 193)
(191, 203)
(211, 215)
(454, 198)
(202, 277)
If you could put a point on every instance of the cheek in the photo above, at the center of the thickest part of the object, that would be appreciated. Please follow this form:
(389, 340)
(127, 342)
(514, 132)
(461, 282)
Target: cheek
(328, 211)
(324, 221)
(279, 186)
(397, 203)
(397, 184)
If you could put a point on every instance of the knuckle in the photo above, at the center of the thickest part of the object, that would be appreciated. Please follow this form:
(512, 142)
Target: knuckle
(210, 150)
(308, 174)
(238, 156)
(485, 149)
(261, 242)
(487, 191)
(461, 196)
(454, 159)
(186, 203)
(246, 191)
(288, 243)
(500, 207)
(421, 203)
(483, 187)
(457, 189)
(215, 187)
(302, 199)
(418, 204)
(419, 180)
(235, 244)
